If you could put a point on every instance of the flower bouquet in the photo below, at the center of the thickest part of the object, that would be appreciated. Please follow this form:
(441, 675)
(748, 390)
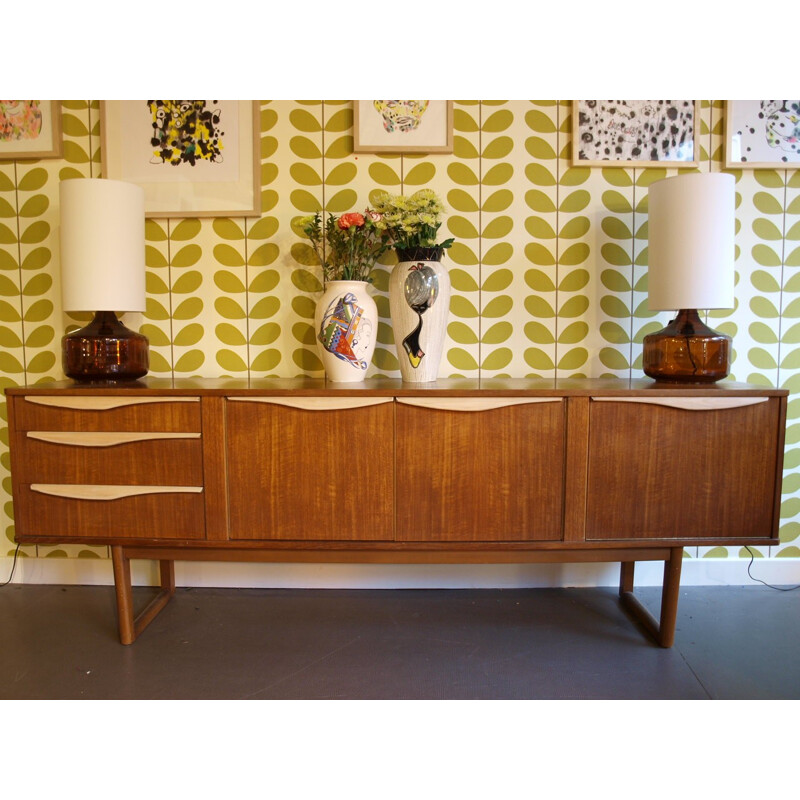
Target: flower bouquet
(347, 246)
(411, 224)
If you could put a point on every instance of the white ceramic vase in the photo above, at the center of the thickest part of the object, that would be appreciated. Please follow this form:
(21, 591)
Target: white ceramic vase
(419, 303)
(345, 324)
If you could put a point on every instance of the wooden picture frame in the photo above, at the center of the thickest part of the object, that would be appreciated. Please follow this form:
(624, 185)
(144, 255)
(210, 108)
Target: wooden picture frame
(619, 133)
(759, 134)
(184, 173)
(403, 126)
(30, 129)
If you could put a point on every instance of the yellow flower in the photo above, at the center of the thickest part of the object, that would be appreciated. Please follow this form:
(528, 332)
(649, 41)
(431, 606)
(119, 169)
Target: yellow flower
(382, 202)
(424, 196)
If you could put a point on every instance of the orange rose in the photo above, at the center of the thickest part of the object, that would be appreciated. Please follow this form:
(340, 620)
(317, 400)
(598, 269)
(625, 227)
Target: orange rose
(349, 220)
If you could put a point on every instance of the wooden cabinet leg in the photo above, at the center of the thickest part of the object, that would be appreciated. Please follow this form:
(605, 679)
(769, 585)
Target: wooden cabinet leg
(626, 576)
(124, 590)
(669, 597)
(131, 626)
(663, 630)
(167, 576)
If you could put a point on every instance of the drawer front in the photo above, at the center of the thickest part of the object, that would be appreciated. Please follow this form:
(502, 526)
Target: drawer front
(466, 473)
(700, 471)
(163, 515)
(92, 457)
(106, 413)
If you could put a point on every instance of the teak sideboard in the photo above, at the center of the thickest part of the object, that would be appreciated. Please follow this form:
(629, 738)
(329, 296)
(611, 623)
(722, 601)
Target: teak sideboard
(455, 471)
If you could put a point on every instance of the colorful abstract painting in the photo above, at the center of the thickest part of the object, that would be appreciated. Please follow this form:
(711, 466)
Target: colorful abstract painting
(186, 131)
(403, 126)
(192, 157)
(403, 116)
(30, 129)
(20, 119)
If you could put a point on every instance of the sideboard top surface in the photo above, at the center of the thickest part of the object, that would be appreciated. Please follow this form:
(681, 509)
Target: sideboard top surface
(391, 387)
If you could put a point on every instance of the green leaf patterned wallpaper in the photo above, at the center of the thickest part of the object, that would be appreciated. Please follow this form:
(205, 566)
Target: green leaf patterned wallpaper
(549, 268)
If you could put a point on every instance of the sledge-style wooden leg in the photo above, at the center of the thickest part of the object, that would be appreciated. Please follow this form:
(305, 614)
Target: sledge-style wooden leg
(662, 630)
(130, 625)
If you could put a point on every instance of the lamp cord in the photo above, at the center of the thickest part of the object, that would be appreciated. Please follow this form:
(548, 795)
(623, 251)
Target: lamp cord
(13, 567)
(779, 588)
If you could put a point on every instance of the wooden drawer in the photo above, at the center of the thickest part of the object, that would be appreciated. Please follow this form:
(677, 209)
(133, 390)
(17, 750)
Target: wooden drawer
(301, 469)
(470, 470)
(690, 468)
(169, 515)
(103, 457)
(106, 413)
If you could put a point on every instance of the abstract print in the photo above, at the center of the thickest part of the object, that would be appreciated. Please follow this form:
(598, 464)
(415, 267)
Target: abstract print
(636, 130)
(185, 131)
(345, 332)
(776, 124)
(401, 115)
(20, 119)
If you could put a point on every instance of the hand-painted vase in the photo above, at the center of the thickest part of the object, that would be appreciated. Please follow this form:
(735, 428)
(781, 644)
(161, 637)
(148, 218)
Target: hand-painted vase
(346, 323)
(419, 303)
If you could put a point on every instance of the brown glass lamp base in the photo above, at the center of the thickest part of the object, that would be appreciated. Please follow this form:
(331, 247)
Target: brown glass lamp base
(687, 351)
(105, 351)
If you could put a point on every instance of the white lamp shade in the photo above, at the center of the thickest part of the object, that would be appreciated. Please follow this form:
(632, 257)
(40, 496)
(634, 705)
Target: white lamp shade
(691, 242)
(102, 245)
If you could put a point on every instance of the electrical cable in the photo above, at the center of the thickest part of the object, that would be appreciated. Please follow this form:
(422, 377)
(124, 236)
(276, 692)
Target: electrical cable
(13, 567)
(779, 588)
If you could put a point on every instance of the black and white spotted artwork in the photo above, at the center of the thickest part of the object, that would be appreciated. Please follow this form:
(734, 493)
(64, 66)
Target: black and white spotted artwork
(763, 133)
(633, 131)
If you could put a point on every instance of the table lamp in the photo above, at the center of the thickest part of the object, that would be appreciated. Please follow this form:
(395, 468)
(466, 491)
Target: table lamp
(102, 270)
(690, 266)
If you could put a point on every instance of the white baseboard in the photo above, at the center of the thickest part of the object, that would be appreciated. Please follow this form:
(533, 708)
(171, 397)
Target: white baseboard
(695, 572)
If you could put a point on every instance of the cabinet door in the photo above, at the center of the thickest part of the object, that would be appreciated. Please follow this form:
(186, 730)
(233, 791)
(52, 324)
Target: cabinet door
(310, 468)
(495, 473)
(691, 469)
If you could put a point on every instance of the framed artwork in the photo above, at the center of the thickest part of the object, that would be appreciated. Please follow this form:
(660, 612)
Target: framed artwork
(193, 158)
(403, 126)
(762, 134)
(635, 133)
(30, 129)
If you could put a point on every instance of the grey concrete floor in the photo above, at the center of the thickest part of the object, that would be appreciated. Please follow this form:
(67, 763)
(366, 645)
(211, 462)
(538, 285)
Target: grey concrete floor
(60, 642)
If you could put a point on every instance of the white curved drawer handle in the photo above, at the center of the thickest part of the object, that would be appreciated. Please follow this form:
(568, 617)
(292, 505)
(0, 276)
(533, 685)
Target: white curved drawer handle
(688, 403)
(96, 403)
(103, 438)
(317, 403)
(77, 491)
(473, 403)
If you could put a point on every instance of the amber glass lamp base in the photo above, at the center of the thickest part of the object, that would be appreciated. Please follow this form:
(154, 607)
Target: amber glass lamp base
(687, 351)
(105, 351)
